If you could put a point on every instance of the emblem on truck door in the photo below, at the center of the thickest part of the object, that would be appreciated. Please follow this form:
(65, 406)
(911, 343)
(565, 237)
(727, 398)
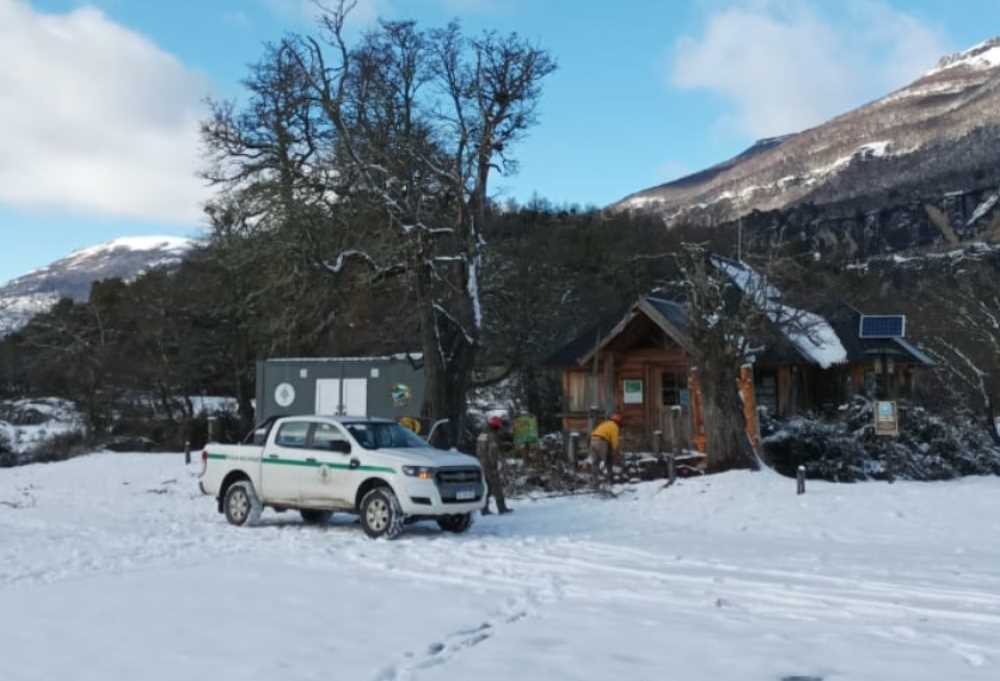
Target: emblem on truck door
(284, 395)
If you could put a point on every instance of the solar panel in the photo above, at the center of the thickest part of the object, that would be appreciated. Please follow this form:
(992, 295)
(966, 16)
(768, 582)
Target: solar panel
(882, 326)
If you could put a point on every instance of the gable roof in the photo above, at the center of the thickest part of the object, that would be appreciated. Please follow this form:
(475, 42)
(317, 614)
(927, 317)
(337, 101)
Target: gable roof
(668, 315)
(569, 354)
(825, 339)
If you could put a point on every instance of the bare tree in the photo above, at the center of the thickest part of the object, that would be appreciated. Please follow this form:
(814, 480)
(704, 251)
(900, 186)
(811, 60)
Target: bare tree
(734, 312)
(369, 161)
(960, 306)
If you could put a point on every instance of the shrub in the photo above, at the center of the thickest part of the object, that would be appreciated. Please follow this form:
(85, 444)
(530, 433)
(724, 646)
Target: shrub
(8, 457)
(845, 448)
(57, 447)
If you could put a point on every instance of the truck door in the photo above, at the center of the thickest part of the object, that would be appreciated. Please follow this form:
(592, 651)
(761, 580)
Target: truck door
(284, 463)
(328, 477)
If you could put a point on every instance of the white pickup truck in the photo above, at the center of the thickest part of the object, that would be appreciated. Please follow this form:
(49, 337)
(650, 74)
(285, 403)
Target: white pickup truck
(322, 464)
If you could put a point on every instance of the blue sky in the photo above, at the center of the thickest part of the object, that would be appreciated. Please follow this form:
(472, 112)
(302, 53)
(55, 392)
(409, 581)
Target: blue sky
(101, 142)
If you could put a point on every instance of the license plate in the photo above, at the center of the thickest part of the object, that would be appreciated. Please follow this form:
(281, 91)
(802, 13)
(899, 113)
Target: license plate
(465, 494)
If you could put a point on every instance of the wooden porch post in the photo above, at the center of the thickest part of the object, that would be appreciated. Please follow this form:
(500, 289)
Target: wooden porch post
(750, 405)
(697, 411)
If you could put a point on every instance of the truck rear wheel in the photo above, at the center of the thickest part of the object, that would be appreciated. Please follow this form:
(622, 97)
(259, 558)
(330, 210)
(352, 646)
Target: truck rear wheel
(314, 517)
(241, 505)
(458, 523)
(381, 515)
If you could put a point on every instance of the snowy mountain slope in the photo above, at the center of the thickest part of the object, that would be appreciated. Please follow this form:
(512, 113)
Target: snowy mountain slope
(122, 562)
(73, 275)
(940, 133)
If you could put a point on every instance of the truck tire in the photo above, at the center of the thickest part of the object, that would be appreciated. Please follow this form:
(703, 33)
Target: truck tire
(381, 515)
(241, 505)
(458, 523)
(313, 517)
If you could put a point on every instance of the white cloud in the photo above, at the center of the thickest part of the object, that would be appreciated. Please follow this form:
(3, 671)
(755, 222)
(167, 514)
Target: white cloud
(785, 65)
(95, 118)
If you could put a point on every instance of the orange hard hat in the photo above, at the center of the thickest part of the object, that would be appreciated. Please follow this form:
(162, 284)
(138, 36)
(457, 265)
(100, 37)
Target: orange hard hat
(617, 418)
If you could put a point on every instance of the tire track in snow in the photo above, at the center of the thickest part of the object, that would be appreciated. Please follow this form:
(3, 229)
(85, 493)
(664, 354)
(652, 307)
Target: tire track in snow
(444, 650)
(587, 572)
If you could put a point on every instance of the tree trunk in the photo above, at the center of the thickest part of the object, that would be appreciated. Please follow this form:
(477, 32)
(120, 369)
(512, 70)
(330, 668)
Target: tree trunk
(725, 426)
(448, 362)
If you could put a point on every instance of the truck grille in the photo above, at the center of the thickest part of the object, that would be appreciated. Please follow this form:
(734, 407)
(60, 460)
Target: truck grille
(459, 475)
(451, 481)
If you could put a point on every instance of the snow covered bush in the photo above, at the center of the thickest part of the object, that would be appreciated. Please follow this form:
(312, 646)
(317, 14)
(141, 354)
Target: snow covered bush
(7, 456)
(846, 449)
(57, 447)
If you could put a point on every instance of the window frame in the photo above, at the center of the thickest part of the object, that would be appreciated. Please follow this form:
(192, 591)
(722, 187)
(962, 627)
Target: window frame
(315, 426)
(587, 387)
(305, 441)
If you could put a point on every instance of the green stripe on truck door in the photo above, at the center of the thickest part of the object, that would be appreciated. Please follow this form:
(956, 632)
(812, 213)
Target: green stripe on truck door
(301, 462)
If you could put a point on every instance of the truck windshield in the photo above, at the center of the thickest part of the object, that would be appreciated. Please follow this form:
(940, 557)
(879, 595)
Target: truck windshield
(375, 435)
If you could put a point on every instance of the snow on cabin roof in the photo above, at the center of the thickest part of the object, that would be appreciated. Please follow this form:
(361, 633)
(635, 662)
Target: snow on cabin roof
(811, 335)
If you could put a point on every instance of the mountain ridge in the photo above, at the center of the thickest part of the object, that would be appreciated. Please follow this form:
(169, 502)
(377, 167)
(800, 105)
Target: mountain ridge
(72, 276)
(942, 131)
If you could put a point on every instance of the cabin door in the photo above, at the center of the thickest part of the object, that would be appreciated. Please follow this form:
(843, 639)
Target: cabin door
(675, 405)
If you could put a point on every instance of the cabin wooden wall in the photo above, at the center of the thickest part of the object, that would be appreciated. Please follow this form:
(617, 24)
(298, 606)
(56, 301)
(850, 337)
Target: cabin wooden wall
(639, 420)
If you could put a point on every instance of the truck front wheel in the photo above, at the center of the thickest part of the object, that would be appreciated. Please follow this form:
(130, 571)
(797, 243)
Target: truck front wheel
(381, 515)
(241, 504)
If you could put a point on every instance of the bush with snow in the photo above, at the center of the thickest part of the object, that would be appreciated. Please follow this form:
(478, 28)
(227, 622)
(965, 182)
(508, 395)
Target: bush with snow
(846, 449)
(38, 429)
(7, 456)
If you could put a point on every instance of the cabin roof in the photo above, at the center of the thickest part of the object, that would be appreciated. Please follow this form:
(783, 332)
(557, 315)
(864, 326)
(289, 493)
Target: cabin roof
(826, 338)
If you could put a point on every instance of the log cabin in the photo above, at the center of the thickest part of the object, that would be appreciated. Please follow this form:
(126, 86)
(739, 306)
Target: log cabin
(639, 364)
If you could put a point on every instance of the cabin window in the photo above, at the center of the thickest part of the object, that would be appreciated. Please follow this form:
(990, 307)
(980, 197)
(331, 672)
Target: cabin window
(766, 390)
(674, 390)
(582, 392)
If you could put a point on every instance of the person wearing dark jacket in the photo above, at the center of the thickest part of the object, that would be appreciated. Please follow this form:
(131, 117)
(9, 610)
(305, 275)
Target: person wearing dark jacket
(488, 451)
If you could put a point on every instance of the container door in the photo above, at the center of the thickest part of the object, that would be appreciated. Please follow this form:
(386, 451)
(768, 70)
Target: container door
(355, 397)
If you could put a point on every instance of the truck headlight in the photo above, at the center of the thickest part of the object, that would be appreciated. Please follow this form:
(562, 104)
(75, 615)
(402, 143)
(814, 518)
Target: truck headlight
(421, 472)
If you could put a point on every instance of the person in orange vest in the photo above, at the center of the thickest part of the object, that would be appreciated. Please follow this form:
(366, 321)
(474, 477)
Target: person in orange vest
(605, 443)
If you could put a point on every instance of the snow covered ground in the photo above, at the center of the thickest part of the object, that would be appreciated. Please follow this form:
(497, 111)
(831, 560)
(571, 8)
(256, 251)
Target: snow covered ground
(112, 566)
